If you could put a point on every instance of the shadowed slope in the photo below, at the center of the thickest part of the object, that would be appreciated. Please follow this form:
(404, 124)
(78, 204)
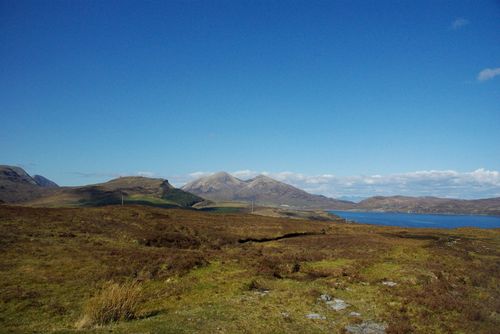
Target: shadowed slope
(18, 186)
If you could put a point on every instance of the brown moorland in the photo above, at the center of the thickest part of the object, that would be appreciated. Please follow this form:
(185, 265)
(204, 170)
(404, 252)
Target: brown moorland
(151, 270)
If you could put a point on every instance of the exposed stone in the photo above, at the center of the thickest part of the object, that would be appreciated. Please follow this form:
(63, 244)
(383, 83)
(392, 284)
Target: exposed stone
(285, 314)
(389, 283)
(337, 304)
(368, 327)
(315, 316)
(325, 297)
(262, 293)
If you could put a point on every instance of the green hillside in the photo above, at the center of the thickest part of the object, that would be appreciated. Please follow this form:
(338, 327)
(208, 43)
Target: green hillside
(132, 190)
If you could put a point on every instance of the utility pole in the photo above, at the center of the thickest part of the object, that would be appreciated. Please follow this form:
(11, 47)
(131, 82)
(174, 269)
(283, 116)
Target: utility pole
(252, 206)
(122, 199)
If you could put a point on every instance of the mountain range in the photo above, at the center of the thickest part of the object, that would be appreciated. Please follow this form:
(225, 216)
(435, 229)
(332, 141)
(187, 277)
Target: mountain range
(18, 187)
(261, 190)
(266, 191)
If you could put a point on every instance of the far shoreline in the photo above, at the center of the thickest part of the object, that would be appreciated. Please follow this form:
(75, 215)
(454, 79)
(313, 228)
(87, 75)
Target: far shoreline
(417, 213)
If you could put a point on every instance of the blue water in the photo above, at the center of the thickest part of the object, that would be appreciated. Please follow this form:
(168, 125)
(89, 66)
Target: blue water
(420, 220)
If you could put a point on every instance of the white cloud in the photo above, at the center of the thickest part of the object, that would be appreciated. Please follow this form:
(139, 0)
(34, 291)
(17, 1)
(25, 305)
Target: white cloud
(146, 174)
(106, 176)
(196, 175)
(488, 74)
(459, 23)
(480, 183)
(245, 174)
(98, 174)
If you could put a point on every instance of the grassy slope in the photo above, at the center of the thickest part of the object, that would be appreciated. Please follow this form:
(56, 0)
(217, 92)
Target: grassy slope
(174, 198)
(196, 277)
(135, 190)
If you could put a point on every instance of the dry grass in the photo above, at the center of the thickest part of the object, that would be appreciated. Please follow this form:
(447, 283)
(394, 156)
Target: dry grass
(114, 302)
(194, 276)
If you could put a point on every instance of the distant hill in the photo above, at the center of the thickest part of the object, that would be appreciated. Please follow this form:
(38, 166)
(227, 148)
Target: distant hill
(263, 190)
(134, 190)
(44, 182)
(355, 199)
(18, 186)
(490, 206)
(269, 192)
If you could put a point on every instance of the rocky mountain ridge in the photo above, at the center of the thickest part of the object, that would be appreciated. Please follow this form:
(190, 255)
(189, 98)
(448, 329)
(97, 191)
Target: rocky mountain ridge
(269, 192)
(261, 190)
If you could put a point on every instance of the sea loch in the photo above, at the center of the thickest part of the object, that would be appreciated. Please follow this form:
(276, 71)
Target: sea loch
(420, 220)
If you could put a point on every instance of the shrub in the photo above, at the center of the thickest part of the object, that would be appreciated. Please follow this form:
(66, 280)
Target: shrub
(114, 302)
(400, 324)
(277, 266)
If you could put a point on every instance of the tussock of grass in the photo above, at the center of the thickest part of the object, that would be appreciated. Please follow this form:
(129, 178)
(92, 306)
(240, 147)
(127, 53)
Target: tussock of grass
(113, 303)
(256, 284)
(328, 268)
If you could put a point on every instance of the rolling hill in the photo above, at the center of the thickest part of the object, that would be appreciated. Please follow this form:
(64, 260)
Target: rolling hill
(135, 190)
(18, 187)
(263, 190)
(489, 206)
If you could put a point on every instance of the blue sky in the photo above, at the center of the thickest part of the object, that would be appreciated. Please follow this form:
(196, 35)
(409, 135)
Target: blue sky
(94, 89)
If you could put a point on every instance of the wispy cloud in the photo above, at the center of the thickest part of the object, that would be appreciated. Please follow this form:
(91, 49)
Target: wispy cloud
(178, 180)
(199, 174)
(112, 175)
(488, 74)
(246, 174)
(458, 23)
(146, 174)
(97, 174)
(480, 183)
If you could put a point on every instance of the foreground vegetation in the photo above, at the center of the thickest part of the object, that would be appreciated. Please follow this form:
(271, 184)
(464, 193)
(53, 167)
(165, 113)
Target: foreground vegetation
(151, 270)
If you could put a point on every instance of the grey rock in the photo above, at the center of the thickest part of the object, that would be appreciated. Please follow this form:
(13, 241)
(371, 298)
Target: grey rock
(337, 304)
(368, 327)
(325, 297)
(262, 292)
(315, 316)
(389, 283)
